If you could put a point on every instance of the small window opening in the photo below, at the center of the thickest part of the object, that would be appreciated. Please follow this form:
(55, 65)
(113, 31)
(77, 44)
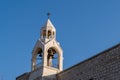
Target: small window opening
(49, 34)
(44, 33)
(53, 33)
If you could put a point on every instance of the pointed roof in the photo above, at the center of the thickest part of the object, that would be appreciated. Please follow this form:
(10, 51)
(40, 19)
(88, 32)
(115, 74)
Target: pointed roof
(48, 25)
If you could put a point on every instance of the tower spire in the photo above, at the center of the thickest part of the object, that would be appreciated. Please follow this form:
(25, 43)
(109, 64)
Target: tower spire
(47, 48)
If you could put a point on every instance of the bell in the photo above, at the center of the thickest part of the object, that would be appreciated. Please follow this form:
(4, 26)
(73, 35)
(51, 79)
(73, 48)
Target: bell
(40, 55)
(51, 54)
(39, 52)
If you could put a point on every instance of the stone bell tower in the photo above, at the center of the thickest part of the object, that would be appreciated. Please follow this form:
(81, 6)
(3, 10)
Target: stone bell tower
(47, 55)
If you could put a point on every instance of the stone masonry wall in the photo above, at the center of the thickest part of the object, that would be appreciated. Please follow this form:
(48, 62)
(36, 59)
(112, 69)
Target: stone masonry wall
(23, 76)
(104, 66)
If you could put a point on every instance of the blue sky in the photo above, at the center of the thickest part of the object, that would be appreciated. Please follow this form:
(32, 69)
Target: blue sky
(84, 28)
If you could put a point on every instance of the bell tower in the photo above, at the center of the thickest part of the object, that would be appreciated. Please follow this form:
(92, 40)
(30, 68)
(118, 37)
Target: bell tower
(47, 55)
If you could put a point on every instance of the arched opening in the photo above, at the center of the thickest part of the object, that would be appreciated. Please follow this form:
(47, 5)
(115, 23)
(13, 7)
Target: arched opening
(53, 34)
(52, 58)
(39, 57)
(44, 33)
(49, 34)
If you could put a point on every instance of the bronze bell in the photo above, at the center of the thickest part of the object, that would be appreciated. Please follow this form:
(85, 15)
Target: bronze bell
(40, 55)
(51, 54)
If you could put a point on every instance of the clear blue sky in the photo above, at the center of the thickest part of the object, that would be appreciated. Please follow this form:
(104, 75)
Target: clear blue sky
(84, 28)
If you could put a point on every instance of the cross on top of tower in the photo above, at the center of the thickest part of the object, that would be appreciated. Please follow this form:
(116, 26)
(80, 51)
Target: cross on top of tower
(48, 14)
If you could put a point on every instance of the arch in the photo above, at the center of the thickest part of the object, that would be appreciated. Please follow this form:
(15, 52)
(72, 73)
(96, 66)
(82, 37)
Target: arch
(49, 33)
(44, 33)
(40, 52)
(56, 49)
(56, 58)
(53, 33)
(37, 58)
(51, 58)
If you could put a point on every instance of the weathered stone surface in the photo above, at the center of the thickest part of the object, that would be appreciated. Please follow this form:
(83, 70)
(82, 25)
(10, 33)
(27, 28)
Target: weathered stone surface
(24, 76)
(104, 66)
